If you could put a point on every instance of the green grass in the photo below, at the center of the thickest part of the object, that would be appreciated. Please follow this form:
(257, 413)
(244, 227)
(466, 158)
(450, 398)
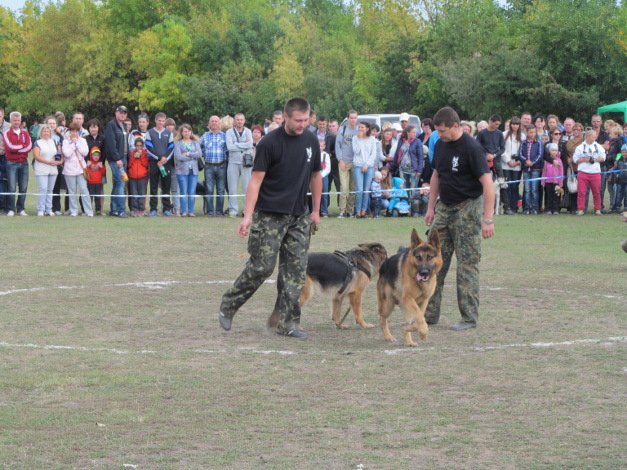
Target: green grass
(158, 385)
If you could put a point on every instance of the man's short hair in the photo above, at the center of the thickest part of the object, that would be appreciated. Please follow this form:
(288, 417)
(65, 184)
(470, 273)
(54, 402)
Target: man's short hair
(160, 115)
(322, 119)
(531, 127)
(77, 112)
(591, 132)
(352, 111)
(277, 112)
(446, 116)
(296, 104)
(495, 117)
(15, 113)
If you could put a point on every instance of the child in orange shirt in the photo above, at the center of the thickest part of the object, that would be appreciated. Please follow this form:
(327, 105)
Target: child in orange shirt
(138, 178)
(97, 171)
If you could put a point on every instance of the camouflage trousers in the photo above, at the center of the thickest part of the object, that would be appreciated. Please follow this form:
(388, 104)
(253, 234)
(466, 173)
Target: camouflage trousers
(272, 235)
(459, 227)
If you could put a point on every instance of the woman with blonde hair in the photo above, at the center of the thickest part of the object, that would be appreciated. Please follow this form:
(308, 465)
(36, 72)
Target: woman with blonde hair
(47, 161)
(187, 153)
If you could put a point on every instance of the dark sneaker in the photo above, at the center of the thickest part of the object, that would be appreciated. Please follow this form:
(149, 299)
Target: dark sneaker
(225, 322)
(294, 334)
(123, 215)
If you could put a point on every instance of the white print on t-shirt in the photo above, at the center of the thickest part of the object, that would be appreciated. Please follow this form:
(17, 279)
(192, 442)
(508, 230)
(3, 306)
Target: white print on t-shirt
(455, 164)
(309, 154)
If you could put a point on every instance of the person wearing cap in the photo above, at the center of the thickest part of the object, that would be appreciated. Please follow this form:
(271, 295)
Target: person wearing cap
(97, 171)
(397, 130)
(404, 120)
(116, 152)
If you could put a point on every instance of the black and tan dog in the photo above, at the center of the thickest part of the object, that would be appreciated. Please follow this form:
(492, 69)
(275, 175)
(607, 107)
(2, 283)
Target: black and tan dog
(344, 274)
(408, 279)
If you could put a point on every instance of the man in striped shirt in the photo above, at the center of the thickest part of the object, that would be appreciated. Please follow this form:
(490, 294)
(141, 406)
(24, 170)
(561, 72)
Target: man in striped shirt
(213, 144)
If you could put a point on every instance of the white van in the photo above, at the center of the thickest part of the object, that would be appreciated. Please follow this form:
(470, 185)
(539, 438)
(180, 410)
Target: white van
(380, 119)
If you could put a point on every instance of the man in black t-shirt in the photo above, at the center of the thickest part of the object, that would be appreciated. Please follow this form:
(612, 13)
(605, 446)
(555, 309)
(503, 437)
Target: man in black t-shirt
(460, 177)
(287, 165)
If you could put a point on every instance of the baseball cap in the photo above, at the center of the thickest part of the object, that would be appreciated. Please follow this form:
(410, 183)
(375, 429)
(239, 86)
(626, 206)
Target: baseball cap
(397, 127)
(404, 117)
(121, 109)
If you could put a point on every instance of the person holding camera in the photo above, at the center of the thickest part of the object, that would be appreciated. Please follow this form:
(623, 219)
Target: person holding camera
(511, 163)
(588, 157)
(239, 143)
(47, 160)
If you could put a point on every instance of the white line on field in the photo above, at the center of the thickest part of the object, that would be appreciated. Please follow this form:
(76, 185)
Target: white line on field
(146, 285)
(389, 352)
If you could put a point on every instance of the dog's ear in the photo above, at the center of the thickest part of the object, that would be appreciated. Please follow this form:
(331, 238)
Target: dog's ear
(434, 238)
(415, 239)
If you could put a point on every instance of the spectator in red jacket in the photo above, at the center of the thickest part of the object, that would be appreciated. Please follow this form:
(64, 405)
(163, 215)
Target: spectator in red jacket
(138, 178)
(97, 170)
(17, 144)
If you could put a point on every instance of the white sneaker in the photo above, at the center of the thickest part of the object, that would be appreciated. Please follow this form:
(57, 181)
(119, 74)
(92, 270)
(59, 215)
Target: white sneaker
(40, 214)
(51, 214)
(23, 213)
(10, 214)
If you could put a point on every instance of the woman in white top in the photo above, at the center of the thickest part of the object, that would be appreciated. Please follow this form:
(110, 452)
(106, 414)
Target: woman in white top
(75, 149)
(47, 160)
(511, 164)
(364, 161)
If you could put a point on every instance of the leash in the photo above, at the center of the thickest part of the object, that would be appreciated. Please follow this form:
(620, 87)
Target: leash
(351, 267)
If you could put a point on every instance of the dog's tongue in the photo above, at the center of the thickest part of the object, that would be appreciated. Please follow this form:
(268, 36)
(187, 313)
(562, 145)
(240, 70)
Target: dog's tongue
(422, 278)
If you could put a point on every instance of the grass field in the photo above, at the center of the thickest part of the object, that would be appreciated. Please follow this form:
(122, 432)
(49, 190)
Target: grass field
(111, 356)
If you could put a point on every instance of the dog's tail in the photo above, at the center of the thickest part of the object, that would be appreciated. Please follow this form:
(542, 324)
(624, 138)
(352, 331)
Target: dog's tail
(273, 321)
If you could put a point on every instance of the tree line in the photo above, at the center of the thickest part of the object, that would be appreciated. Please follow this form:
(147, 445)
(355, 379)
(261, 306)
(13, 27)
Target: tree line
(193, 58)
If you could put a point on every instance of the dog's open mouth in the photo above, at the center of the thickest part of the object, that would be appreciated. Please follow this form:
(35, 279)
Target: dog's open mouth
(422, 277)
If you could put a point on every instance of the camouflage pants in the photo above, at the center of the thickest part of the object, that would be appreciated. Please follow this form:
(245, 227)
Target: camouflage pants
(459, 227)
(272, 235)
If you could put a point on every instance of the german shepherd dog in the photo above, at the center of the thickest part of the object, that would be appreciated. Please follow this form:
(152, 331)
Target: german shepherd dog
(343, 274)
(408, 279)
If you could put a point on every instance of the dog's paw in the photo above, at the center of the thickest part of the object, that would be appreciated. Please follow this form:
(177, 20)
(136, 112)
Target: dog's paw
(367, 325)
(411, 344)
(341, 327)
(390, 339)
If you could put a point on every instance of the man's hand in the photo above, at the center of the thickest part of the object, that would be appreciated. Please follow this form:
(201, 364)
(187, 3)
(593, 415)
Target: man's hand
(120, 164)
(487, 230)
(429, 217)
(244, 225)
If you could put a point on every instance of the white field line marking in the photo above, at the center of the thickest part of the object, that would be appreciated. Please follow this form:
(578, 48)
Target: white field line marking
(389, 352)
(146, 285)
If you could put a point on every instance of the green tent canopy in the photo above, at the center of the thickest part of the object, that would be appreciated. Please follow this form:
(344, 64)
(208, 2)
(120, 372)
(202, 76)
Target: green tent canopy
(615, 108)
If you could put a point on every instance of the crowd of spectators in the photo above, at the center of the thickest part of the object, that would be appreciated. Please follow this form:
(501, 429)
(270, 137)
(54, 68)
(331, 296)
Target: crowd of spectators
(371, 171)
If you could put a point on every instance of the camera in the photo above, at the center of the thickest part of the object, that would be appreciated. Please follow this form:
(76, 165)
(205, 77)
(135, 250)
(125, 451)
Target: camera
(591, 160)
(515, 158)
(57, 157)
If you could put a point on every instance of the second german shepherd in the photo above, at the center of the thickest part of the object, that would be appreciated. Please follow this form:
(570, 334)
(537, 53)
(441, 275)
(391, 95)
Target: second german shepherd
(344, 274)
(408, 279)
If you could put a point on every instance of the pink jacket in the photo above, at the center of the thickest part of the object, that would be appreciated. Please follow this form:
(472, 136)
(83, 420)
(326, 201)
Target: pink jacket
(74, 153)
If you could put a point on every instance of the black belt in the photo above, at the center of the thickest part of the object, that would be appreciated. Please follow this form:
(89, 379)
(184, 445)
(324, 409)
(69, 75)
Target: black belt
(215, 164)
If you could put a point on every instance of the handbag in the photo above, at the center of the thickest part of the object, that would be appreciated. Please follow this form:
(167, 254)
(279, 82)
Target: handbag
(247, 158)
(571, 181)
(201, 163)
(81, 161)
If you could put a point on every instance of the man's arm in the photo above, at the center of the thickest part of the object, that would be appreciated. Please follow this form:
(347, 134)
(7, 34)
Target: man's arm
(315, 184)
(487, 230)
(433, 197)
(252, 193)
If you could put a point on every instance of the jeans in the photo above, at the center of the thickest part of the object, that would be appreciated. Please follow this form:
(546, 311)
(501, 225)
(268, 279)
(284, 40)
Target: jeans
(3, 183)
(411, 181)
(117, 190)
(17, 175)
(44, 199)
(324, 203)
(74, 183)
(532, 190)
(176, 194)
(187, 186)
(215, 177)
(363, 179)
(512, 188)
(137, 187)
(610, 189)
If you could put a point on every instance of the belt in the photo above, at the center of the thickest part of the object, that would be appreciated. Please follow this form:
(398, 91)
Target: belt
(215, 164)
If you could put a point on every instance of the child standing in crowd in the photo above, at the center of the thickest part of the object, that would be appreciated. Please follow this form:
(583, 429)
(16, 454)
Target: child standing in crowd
(138, 178)
(375, 194)
(97, 173)
(530, 155)
(421, 201)
(621, 180)
(554, 172)
(325, 160)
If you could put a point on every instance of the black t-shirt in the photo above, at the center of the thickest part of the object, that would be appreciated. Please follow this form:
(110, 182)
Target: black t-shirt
(289, 162)
(460, 164)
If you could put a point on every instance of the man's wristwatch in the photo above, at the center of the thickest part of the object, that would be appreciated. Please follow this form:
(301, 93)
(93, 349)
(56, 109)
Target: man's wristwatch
(488, 221)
